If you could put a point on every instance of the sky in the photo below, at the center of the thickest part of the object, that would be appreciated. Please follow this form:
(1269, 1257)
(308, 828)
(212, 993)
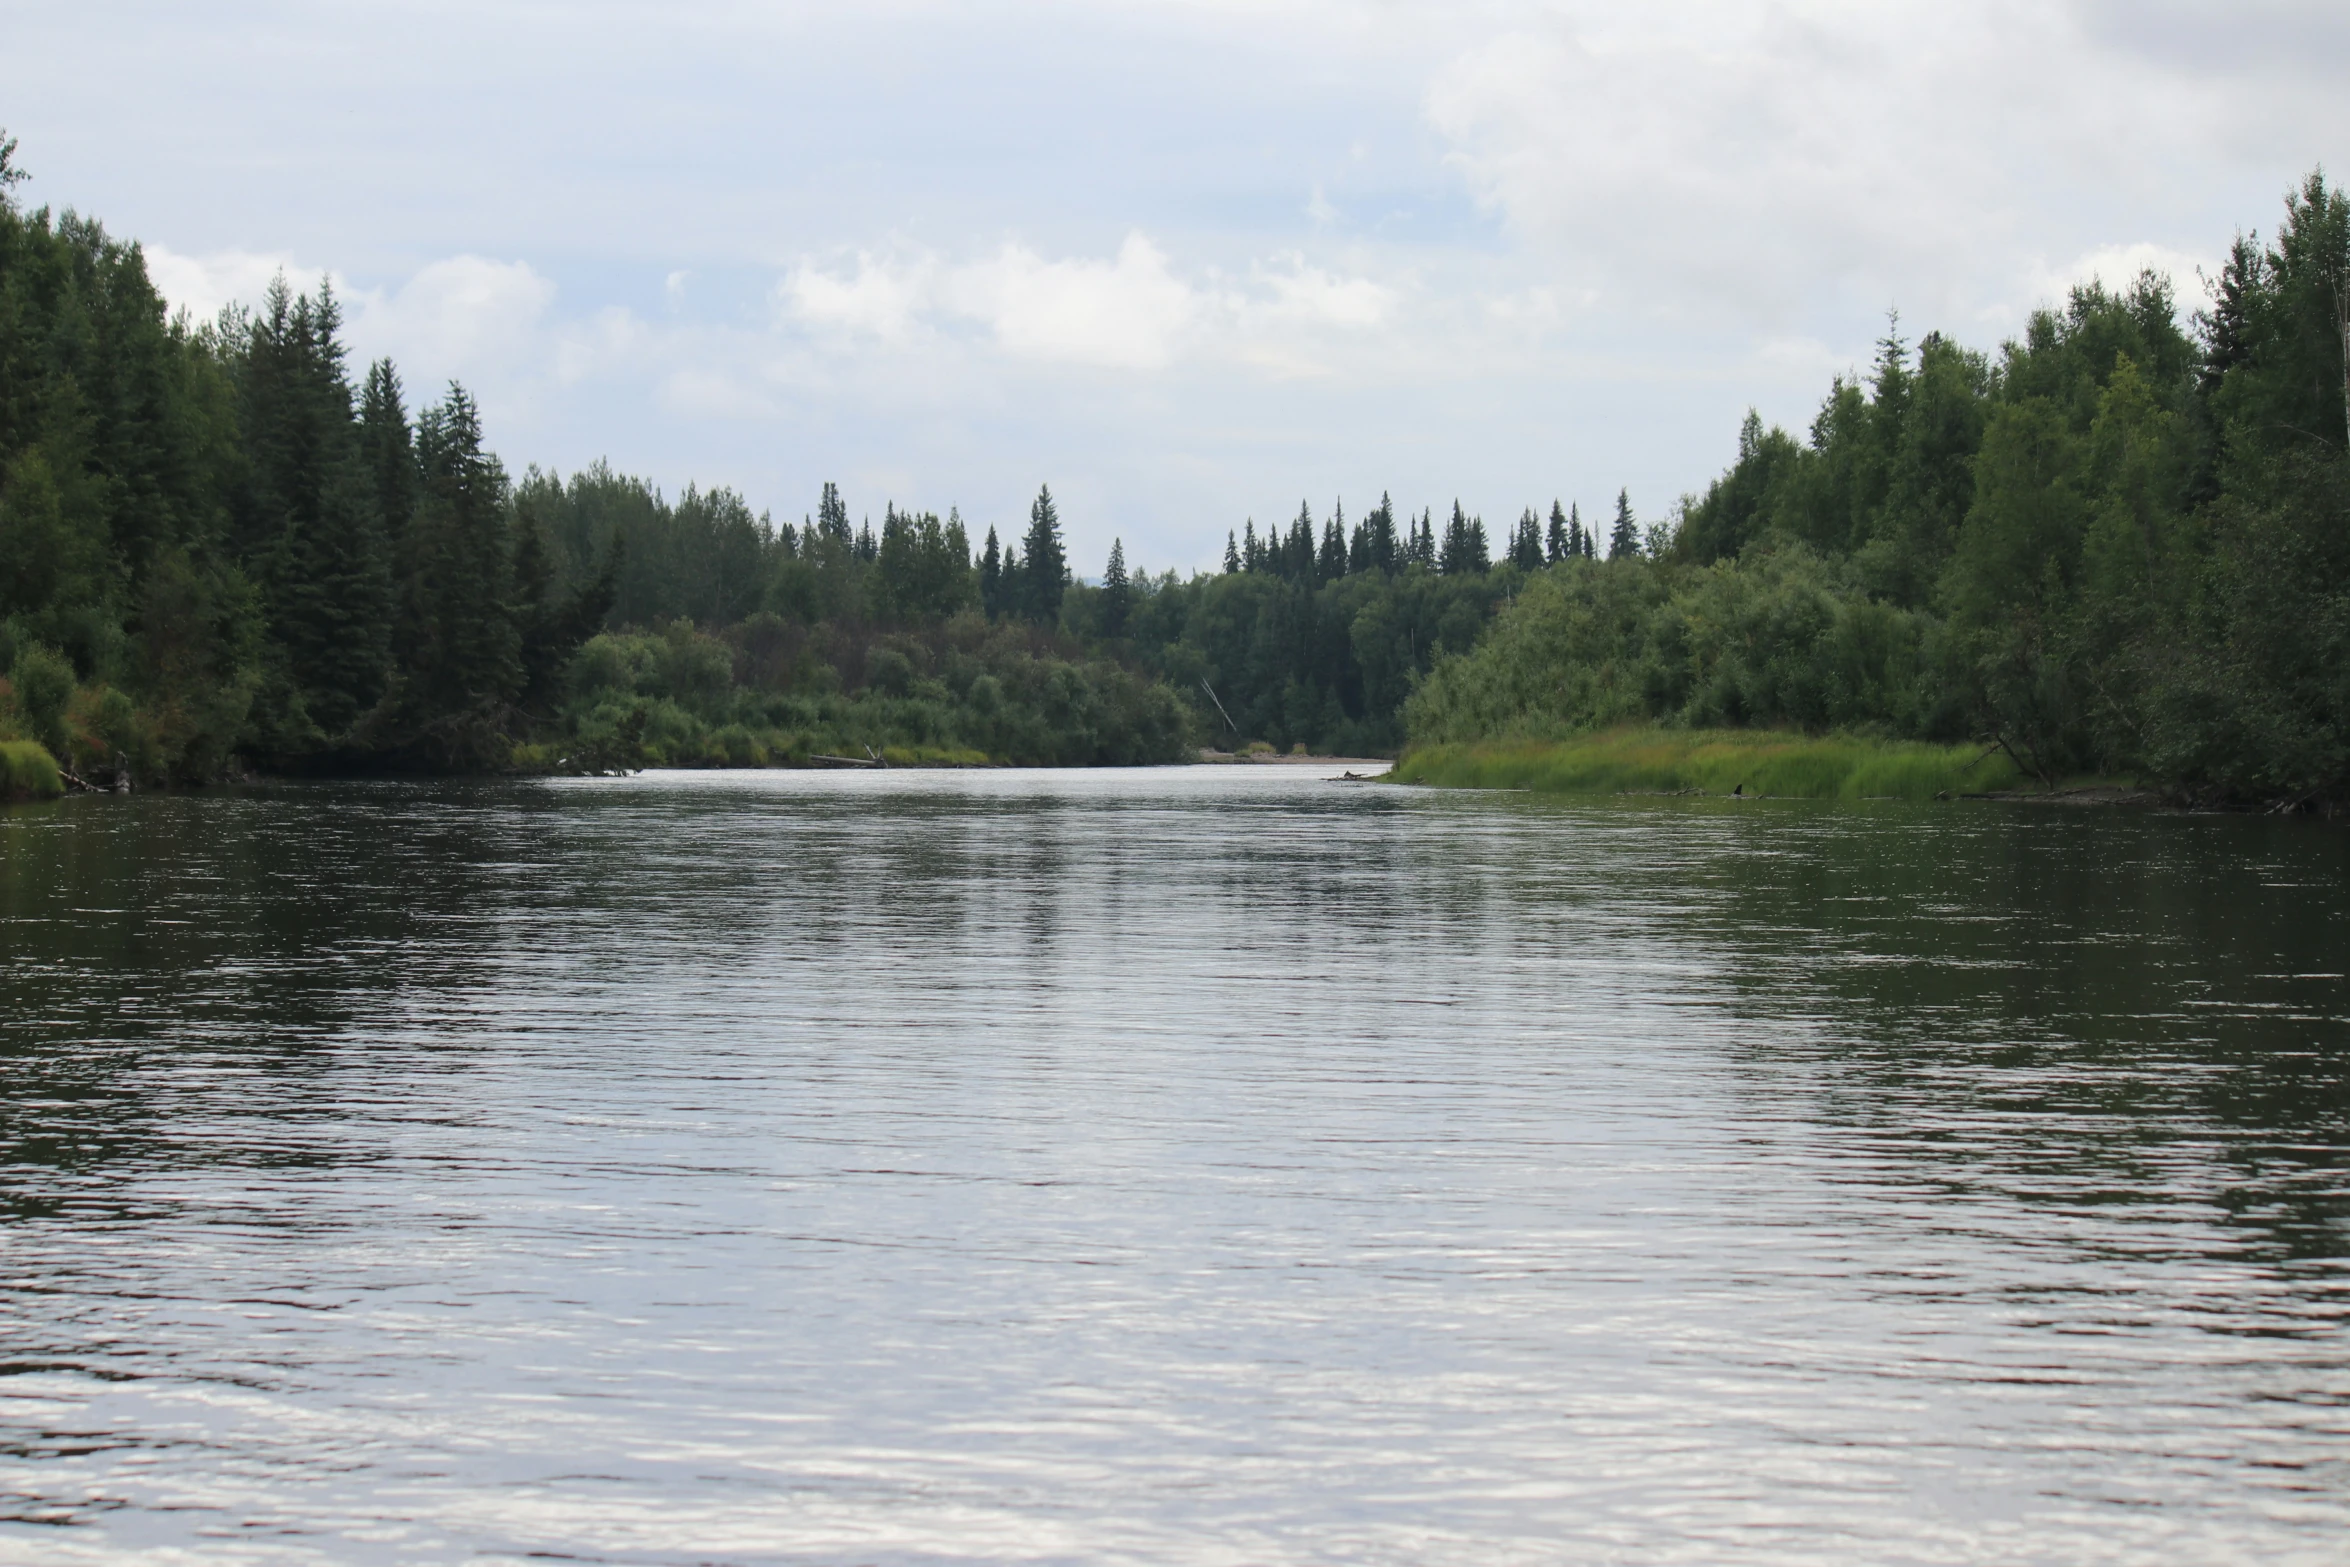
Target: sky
(1189, 261)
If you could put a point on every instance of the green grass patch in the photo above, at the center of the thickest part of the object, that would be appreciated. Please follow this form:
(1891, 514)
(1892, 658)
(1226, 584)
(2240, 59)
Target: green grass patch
(1714, 761)
(28, 772)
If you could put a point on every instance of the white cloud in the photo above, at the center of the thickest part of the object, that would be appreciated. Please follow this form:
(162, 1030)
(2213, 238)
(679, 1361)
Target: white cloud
(613, 336)
(1750, 161)
(459, 317)
(1517, 244)
(881, 298)
(202, 285)
(1131, 313)
(1311, 296)
(2118, 266)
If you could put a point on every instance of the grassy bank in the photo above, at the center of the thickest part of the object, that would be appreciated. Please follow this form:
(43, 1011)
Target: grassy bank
(28, 772)
(1714, 761)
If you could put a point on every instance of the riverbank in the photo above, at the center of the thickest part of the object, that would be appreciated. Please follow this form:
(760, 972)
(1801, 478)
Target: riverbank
(1747, 762)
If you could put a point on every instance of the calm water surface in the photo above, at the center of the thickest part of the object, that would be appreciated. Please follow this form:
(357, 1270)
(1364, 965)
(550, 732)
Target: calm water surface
(1210, 1166)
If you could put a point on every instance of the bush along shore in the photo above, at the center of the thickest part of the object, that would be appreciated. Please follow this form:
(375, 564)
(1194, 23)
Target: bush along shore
(1749, 762)
(2119, 547)
(28, 772)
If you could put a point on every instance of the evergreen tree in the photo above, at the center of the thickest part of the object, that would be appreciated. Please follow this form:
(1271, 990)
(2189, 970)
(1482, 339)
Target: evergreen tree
(1526, 542)
(1383, 550)
(1231, 552)
(551, 623)
(1332, 564)
(1557, 544)
(1423, 542)
(1465, 551)
(1045, 576)
(1624, 541)
(315, 540)
(1588, 536)
(458, 640)
(832, 515)
(387, 453)
(1117, 592)
(1297, 551)
(991, 579)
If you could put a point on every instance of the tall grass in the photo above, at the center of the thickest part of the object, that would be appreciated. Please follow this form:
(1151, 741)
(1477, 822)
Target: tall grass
(1714, 761)
(28, 772)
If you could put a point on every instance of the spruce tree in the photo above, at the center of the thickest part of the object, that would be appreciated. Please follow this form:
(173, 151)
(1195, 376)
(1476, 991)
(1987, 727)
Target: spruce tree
(991, 578)
(1231, 552)
(1557, 545)
(1332, 565)
(387, 453)
(1117, 592)
(1045, 576)
(1624, 541)
(550, 622)
(1384, 551)
(1297, 551)
(832, 516)
(1465, 552)
(1526, 542)
(459, 643)
(313, 538)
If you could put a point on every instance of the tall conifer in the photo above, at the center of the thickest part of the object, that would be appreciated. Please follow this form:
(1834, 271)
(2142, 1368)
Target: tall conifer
(1623, 542)
(1333, 563)
(1117, 592)
(1045, 574)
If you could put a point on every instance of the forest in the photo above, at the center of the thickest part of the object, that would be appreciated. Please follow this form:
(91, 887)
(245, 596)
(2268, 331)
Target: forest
(224, 549)
(2119, 546)
(2116, 546)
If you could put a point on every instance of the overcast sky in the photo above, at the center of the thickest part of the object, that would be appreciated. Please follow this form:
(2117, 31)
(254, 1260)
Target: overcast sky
(1189, 262)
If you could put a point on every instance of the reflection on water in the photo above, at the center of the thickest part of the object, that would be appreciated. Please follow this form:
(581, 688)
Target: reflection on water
(1209, 1165)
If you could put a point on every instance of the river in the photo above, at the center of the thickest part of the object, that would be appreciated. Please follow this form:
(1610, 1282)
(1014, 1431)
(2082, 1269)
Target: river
(1201, 1166)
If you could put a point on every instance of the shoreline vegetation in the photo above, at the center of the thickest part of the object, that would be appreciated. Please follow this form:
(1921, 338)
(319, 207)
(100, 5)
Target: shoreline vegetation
(1760, 764)
(2118, 547)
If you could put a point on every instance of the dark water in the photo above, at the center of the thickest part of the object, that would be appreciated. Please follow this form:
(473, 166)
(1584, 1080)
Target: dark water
(1206, 1166)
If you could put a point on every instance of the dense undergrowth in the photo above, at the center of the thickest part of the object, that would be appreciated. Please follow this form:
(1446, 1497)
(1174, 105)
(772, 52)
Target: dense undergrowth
(770, 693)
(1717, 761)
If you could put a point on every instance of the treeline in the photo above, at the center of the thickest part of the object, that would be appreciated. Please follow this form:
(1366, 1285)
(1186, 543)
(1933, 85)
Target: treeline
(2121, 545)
(1311, 639)
(213, 547)
(220, 551)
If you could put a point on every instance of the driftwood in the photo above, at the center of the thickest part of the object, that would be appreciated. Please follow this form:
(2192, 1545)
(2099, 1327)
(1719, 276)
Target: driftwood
(117, 782)
(847, 761)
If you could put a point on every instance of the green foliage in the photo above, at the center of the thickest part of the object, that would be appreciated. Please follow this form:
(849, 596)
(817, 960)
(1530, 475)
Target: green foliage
(769, 692)
(1758, 763)
(41, 684)
(27, 772)
(2116, 548)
